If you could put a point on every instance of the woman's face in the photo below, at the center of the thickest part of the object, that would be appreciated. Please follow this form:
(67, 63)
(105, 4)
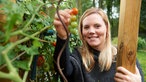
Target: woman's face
(94, 31)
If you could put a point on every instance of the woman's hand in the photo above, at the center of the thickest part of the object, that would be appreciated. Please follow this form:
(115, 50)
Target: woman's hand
(123, 75)
(65, 16)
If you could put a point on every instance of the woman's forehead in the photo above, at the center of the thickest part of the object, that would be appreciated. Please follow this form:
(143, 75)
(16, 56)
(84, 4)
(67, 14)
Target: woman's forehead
(92, 17)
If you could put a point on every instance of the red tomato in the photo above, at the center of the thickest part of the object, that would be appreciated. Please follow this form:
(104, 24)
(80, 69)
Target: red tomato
(74, 11)
(53, 43)
(40, 60)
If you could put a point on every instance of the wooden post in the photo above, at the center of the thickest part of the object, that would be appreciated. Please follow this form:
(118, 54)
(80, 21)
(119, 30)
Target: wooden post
(128, 33)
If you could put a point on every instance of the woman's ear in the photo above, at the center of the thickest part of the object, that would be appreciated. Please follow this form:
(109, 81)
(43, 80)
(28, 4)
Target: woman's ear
(114, 50)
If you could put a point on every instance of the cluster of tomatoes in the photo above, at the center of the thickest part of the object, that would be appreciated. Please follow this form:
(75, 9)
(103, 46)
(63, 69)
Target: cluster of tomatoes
(73, 21)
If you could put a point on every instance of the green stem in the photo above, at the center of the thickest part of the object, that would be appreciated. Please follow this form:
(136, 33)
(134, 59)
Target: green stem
(5, 52)
(33, 16)
(12, 60)
(4, 75)
(29, 36)
(16, 32)
(26, 72)
(21, 32)
(35, 38)
(13, 76)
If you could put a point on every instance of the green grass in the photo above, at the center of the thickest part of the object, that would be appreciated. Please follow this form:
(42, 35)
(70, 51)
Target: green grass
(141, 55)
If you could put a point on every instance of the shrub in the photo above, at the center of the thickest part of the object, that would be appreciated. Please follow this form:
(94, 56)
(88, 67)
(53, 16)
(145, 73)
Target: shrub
(141, 43)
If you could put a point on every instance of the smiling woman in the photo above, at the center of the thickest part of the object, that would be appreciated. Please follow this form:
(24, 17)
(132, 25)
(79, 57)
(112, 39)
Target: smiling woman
(95, 59)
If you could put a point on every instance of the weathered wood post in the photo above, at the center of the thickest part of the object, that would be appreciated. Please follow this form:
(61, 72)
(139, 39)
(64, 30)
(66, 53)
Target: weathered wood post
(128, 33)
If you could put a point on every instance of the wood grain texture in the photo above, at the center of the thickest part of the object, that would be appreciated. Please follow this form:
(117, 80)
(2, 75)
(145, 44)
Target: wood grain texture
(128, 33)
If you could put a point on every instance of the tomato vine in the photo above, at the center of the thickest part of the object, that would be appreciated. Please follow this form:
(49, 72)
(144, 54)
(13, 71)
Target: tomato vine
(29, 23)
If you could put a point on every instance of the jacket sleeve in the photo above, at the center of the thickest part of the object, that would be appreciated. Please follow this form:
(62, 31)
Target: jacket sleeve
(65, 62)
(140, 70)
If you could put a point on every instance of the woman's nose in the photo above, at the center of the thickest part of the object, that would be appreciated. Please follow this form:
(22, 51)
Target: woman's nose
(91, 30)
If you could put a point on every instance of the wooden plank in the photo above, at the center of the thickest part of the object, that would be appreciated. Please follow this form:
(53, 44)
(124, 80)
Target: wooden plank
(128, 33)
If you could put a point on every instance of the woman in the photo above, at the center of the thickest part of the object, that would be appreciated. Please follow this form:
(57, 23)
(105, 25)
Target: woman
(94, 61)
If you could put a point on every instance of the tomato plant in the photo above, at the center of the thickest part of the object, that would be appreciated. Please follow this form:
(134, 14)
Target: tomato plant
(26, 32)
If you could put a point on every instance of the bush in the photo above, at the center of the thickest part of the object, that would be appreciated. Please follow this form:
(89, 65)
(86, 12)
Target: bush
(141, 43)
(140, 46)
(115, 41)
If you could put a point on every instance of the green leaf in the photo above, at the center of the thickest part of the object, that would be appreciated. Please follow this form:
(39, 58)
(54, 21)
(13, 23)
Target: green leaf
(29, 50)
(22, 64)
(30, 7)
(32, 51)
(36, 43)
(11, 54)
(1, 57)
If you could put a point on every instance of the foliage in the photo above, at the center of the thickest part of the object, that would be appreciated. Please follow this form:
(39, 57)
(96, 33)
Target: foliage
(143, 19)
(115, 41)
(86, 4)
(141, 55)
(141, 44)
(28, 39)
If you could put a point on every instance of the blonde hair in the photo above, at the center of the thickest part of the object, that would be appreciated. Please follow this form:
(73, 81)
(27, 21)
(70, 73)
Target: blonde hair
(105, 57)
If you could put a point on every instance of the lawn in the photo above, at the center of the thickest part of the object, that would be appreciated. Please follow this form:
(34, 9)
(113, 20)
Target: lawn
(141, 55)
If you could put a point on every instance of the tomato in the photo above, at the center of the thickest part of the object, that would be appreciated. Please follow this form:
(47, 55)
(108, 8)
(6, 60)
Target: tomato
(40, 60)
(73, 18)
(46, 67)
(74, 24)
(43, 13)
(74, 11)
(53, 43)
(73, 31)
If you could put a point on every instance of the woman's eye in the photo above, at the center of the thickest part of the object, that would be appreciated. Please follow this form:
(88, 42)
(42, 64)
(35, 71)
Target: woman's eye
(86, 27)
(97, 26)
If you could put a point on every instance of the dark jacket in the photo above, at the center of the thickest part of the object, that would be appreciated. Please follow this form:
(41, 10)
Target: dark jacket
(73, 68)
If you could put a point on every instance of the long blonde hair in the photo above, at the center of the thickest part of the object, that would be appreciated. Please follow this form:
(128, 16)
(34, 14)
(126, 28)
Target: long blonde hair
(105, 57)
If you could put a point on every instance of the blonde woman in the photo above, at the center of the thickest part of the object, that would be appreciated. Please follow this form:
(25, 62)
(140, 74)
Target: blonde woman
(94, 61)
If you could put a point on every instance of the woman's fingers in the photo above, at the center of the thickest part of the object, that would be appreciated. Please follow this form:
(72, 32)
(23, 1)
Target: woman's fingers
(123, 70)
(123, 75)
(65, 17)
(57, 22)
(119, 77)
(63, 13)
